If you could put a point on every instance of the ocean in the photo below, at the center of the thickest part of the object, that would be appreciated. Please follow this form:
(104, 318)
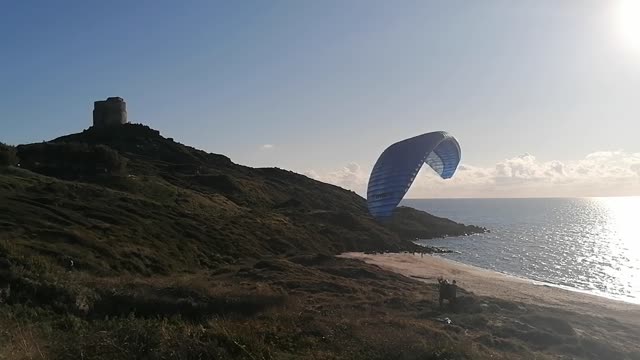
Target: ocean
(585, 244)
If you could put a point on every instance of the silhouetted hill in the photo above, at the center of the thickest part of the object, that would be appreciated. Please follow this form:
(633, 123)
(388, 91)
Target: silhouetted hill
(128, 199)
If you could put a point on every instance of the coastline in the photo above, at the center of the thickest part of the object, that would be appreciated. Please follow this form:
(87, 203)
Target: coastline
(599, 294)
(489, 283)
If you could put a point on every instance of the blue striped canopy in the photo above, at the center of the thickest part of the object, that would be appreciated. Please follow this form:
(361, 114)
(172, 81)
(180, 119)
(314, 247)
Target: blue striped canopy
(399, 164)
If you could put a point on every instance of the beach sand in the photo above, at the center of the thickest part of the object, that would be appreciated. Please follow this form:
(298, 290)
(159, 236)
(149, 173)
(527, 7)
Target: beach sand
(493, 284)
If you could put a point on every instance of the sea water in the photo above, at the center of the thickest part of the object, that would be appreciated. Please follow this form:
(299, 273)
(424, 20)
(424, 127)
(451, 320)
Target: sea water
(587, 244)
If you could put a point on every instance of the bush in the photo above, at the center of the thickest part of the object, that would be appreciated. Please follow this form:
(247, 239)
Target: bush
(113, 162)
(71, 160)
(8, 155)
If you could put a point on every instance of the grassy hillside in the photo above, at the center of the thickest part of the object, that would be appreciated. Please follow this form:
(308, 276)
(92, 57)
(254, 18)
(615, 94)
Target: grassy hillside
(174, 208)
(279, 307)
(125, 244)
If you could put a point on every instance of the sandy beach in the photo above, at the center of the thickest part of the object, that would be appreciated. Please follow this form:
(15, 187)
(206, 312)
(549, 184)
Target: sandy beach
(484, 282)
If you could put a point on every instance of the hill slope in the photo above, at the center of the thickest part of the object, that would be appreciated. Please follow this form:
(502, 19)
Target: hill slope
(178, 208)
(123, 244)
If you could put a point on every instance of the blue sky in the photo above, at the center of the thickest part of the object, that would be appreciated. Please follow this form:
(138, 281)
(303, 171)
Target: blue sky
(329, 84)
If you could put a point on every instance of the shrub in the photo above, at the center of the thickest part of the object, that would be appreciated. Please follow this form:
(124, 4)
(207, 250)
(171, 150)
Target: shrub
(70, 160)
(8, 155)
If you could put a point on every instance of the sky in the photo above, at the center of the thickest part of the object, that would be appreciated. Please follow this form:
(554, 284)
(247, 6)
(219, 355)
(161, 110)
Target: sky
(540, 94)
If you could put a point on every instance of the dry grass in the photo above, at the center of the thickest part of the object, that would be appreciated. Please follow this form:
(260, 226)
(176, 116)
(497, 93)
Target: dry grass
(20, 340)
(305, 306)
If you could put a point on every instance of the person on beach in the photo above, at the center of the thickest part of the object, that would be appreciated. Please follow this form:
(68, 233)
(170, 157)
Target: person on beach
(447, 291)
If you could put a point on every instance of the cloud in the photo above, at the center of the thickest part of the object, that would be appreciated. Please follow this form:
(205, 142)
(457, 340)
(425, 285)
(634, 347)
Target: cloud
(351, 177)
(602, 173)
(267, 146)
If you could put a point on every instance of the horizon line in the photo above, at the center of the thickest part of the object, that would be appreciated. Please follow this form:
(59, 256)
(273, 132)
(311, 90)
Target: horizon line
(522, 197)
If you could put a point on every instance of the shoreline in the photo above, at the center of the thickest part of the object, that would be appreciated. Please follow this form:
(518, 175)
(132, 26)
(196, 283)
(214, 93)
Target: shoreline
(494, 284)
(600, 294)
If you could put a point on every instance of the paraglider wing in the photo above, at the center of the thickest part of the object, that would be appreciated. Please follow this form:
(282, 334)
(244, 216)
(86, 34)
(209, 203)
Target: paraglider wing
(397, 167)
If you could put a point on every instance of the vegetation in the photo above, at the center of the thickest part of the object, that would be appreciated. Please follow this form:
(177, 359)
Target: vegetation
(409, 224)
(190, 256)
(8, 155)
(281, 307)
(71, 160)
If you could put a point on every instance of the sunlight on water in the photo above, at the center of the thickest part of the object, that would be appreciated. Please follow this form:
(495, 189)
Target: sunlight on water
(589, 244)
(620, 242)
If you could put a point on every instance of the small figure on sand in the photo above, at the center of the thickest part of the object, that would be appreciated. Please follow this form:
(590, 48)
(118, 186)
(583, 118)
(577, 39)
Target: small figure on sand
(447, 291)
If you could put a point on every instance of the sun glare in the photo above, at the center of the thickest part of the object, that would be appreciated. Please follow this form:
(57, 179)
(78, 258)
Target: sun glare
(628, 23)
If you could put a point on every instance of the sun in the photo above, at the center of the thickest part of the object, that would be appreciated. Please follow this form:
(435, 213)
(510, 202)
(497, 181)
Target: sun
(628, 23)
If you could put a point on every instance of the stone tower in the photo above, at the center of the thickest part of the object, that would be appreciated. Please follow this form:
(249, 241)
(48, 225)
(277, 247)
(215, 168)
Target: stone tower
(110, 112)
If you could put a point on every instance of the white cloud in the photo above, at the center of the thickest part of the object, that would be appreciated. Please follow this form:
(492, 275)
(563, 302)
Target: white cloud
(602, 173)
(351, 177)
(267, 146)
